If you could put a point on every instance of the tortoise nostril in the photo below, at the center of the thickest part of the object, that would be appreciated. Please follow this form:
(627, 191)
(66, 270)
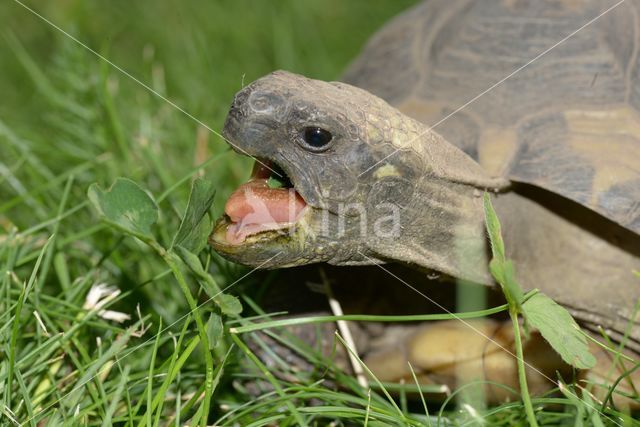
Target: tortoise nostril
(235, 112)
(240, 99)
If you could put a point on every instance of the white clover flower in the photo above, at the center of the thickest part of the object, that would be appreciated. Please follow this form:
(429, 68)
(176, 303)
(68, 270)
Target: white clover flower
(100, 295)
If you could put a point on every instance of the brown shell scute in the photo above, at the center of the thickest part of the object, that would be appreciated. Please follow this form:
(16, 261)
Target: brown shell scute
(544, 157)
(617, 199)
(568, 122)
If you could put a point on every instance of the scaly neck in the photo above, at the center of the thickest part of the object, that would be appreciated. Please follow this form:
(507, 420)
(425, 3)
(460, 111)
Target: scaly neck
(442, 227)
(446, 232)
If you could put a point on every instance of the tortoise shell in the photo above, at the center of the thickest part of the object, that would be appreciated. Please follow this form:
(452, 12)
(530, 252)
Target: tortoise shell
(543, 92)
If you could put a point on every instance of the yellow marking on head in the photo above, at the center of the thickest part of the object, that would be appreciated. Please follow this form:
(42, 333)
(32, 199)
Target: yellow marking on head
(610, 141)
(496, 149)
(386, 170)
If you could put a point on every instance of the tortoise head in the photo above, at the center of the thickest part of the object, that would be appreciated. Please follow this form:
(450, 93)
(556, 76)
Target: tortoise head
(348, 165)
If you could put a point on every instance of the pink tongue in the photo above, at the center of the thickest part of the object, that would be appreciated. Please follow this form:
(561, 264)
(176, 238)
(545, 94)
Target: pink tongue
(254, 207)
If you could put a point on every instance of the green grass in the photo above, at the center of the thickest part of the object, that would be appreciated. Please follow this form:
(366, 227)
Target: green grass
(67, 120)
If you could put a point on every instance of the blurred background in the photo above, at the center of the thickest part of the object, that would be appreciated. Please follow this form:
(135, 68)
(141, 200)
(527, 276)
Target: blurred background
(197, 53)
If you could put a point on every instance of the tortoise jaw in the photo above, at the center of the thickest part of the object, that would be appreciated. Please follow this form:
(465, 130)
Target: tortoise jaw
(268, 201)
(261, 222)
(266, 249)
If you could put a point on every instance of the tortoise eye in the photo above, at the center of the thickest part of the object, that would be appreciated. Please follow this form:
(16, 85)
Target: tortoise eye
(316, 139)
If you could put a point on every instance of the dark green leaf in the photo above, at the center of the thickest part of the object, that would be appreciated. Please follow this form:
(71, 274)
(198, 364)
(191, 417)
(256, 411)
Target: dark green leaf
(229, 304)
(493, 228)
(501, 269)
(510, 282)
(274, 182)
(126, 206)
(559, 329)
(196, 241)
(214, 330)
(496, 268)
(192, 261)
(196, 224)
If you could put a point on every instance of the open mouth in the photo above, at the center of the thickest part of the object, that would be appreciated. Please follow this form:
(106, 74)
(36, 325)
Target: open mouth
(267, 202)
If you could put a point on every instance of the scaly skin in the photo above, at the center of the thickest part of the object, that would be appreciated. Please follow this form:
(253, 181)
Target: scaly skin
(381, 158)
(564, 250)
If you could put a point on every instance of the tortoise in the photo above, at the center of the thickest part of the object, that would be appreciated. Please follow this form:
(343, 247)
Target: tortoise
(536, 102)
